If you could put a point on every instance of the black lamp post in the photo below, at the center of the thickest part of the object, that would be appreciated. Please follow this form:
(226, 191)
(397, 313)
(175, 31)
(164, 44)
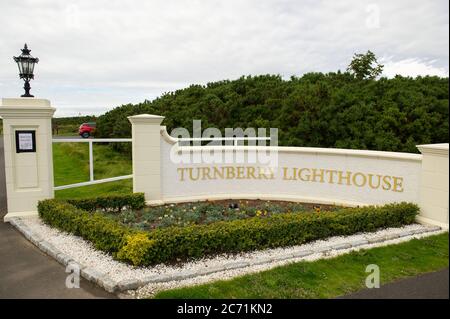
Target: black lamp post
(26, 63)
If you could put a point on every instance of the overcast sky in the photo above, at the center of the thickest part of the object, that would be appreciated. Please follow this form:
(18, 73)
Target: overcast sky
(95, 55)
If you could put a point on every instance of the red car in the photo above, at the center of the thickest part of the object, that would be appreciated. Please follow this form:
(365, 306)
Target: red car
(86, 129)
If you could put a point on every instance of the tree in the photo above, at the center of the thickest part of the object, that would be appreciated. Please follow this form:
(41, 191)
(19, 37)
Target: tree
(317, 110)
(365, 66)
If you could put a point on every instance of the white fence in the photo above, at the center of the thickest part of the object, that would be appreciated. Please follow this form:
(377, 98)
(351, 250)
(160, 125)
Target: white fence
(92, 180)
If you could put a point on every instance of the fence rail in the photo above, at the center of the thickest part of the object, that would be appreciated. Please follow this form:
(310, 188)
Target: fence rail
(92, 180)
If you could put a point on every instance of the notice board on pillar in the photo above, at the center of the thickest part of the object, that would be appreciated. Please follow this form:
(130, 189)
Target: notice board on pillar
(25, 141)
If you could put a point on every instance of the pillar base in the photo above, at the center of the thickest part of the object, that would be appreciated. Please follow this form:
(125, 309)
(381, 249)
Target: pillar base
(427, 221)
(8, 216)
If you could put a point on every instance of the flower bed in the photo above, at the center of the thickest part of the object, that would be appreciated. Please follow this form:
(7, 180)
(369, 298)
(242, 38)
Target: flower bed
(180, 243)
(199, 213)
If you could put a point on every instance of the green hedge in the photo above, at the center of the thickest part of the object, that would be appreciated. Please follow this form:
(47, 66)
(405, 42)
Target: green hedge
(112, 203)
(106, 234)
(172, 243)
(280, 230)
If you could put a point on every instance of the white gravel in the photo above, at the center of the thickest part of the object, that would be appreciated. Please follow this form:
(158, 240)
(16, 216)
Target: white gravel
(84, 253)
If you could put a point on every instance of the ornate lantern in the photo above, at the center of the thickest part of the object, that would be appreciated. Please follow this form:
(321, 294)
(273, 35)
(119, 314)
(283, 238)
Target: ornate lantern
(26, 63)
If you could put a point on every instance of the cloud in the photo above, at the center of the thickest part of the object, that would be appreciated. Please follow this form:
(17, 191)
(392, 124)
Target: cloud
(97, 54)
(412, 67)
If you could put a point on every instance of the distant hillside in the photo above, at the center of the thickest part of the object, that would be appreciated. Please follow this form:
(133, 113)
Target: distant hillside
(322, 110)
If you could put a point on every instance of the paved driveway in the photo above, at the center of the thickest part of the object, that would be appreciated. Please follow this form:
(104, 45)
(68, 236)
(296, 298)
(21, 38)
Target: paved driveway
(26, 272)
(432, 285)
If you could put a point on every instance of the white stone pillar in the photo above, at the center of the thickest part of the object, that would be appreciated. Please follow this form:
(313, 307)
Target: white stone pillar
(434, 197)
(146, 137)
(29, 174)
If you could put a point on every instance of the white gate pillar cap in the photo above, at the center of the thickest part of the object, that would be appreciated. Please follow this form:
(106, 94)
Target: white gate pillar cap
(25, 107)
(146, 118)
(437, 149)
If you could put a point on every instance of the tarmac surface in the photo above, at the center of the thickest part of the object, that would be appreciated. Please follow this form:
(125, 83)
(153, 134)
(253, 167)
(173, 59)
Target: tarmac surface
(434, 285)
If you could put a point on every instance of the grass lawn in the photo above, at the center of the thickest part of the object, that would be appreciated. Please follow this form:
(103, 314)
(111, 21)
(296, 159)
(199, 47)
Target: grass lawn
(328, 278)
(67, 130)
(71, 165)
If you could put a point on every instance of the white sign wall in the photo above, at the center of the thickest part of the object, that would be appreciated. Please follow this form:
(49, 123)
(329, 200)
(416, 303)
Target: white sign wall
(336, 176)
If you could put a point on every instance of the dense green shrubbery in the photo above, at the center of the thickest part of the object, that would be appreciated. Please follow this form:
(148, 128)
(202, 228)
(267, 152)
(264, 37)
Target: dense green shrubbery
(73, 120)
(169, 244)
(318, 110)
(106, 234)
(110, 203)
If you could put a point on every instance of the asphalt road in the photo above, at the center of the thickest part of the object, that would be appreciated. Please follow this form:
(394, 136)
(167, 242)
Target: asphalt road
(434, 285)
(26, 272)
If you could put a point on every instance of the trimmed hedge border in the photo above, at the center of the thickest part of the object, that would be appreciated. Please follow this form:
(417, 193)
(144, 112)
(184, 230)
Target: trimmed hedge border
(106, 234)
(114, 203)
(174, 243)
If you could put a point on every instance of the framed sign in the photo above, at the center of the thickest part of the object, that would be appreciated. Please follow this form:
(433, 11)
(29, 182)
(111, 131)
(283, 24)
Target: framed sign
(25, 141)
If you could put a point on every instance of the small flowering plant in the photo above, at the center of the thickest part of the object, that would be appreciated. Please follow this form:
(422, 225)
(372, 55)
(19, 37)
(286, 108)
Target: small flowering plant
(208, 212)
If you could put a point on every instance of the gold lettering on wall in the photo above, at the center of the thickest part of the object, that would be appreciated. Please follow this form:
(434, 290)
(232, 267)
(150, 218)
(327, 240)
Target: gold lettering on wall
(341, 177)
(191, 176)
(387, 183)
(285, 175)
(230, 172)
(218, 173)
(317, 175)
(398, 184)
(359, 179)
(294, 174)
(331, 173)
(181, 174)
(372, 183)
(251, 172)
(205, 173)
(304, 176)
